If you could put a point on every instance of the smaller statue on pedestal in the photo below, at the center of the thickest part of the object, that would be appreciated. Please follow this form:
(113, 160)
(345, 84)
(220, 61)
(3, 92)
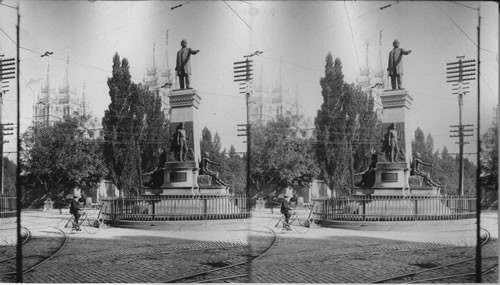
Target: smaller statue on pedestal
(368, 177)
(390, 144)
(415, 170)
(183, 64)
(179, 143)
(157, 174)
(205, 161)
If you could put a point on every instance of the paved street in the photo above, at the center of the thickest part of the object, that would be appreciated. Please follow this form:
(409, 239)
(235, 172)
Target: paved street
(119, 255)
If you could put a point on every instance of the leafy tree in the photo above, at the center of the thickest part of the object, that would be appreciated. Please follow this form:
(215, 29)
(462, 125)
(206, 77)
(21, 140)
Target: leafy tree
(445, 167)
(234, 171)
(233, 167)
(134, 128)
(346, 128)
(281, 155)
(489, 159)
(62, 156)
(9, 181)
(423, 145)
(209, 144)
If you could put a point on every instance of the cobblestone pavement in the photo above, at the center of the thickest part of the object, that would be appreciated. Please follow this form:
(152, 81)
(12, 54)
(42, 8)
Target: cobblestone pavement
(116, 255)
(119, 255)
(325, 255)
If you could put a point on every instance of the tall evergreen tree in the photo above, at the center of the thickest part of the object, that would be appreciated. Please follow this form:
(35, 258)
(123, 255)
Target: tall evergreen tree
(346, 129)
(134, 128)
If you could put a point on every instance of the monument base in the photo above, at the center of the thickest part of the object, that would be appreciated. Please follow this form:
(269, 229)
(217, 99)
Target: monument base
(392, 179)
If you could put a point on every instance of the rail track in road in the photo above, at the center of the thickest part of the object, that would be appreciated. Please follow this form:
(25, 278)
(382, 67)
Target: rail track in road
(226, 270)
(36, 251)
(451, 272)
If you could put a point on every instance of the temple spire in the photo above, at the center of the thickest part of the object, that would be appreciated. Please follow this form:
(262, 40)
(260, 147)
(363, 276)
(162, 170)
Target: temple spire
(65, 85)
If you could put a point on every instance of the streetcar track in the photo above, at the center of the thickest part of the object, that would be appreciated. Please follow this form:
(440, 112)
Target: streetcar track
(24, 241)
(232, 267)
(45, 257)
(484, 241)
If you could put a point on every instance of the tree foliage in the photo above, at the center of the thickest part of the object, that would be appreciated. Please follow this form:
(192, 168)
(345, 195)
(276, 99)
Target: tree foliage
(346, 128)
(445, 167)
(9, 176)
(62, 156)
(489, 158)
(134, 128)
(232, 169)
(281, 155)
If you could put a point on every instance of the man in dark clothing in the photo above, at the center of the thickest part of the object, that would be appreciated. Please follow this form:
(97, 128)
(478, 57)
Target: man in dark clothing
(74, 209)
(183, 64)
(285, 210)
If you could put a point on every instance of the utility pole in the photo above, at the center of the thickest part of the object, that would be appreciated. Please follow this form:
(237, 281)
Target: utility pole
(459, 73)
(461, 133)
(478, 170)
(19, 245)
(243, 75)
(7, 71)
(19, 248)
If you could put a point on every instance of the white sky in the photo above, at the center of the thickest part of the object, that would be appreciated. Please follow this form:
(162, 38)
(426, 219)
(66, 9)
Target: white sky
(298, 33)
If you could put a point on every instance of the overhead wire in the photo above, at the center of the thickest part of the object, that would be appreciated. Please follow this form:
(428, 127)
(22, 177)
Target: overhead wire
(352, 35)
(227, 4)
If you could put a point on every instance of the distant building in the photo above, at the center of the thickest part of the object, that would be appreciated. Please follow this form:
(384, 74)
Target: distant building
(54, 102)
(160, 80)
(269, 103)
(373, 83)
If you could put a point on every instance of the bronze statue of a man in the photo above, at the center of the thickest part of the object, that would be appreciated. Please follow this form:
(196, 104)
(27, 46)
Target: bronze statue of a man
(183, 64)
(205, 171)
(390, 144)
(415, 170)
(395, 66)
(179, 143)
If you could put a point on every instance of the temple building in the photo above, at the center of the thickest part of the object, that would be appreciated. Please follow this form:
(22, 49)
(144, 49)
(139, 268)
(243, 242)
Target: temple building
(269, 103)
(160, 80)
(55, 102)
(373, 82)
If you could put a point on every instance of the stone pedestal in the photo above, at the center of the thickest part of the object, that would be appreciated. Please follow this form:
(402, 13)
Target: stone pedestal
(391, 175)
(396, 104)
(184, 105)
(181, 174)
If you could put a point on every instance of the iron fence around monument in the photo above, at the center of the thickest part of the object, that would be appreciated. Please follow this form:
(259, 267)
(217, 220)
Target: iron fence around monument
(395, 208)
(175, 208)
(7, 206)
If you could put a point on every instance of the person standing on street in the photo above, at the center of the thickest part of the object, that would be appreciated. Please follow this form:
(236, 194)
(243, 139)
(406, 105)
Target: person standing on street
(75, 210)
(285, 210)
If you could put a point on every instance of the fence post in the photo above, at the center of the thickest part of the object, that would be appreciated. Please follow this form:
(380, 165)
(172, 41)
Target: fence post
(364, 208)
(205, 212)
(415, 209)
